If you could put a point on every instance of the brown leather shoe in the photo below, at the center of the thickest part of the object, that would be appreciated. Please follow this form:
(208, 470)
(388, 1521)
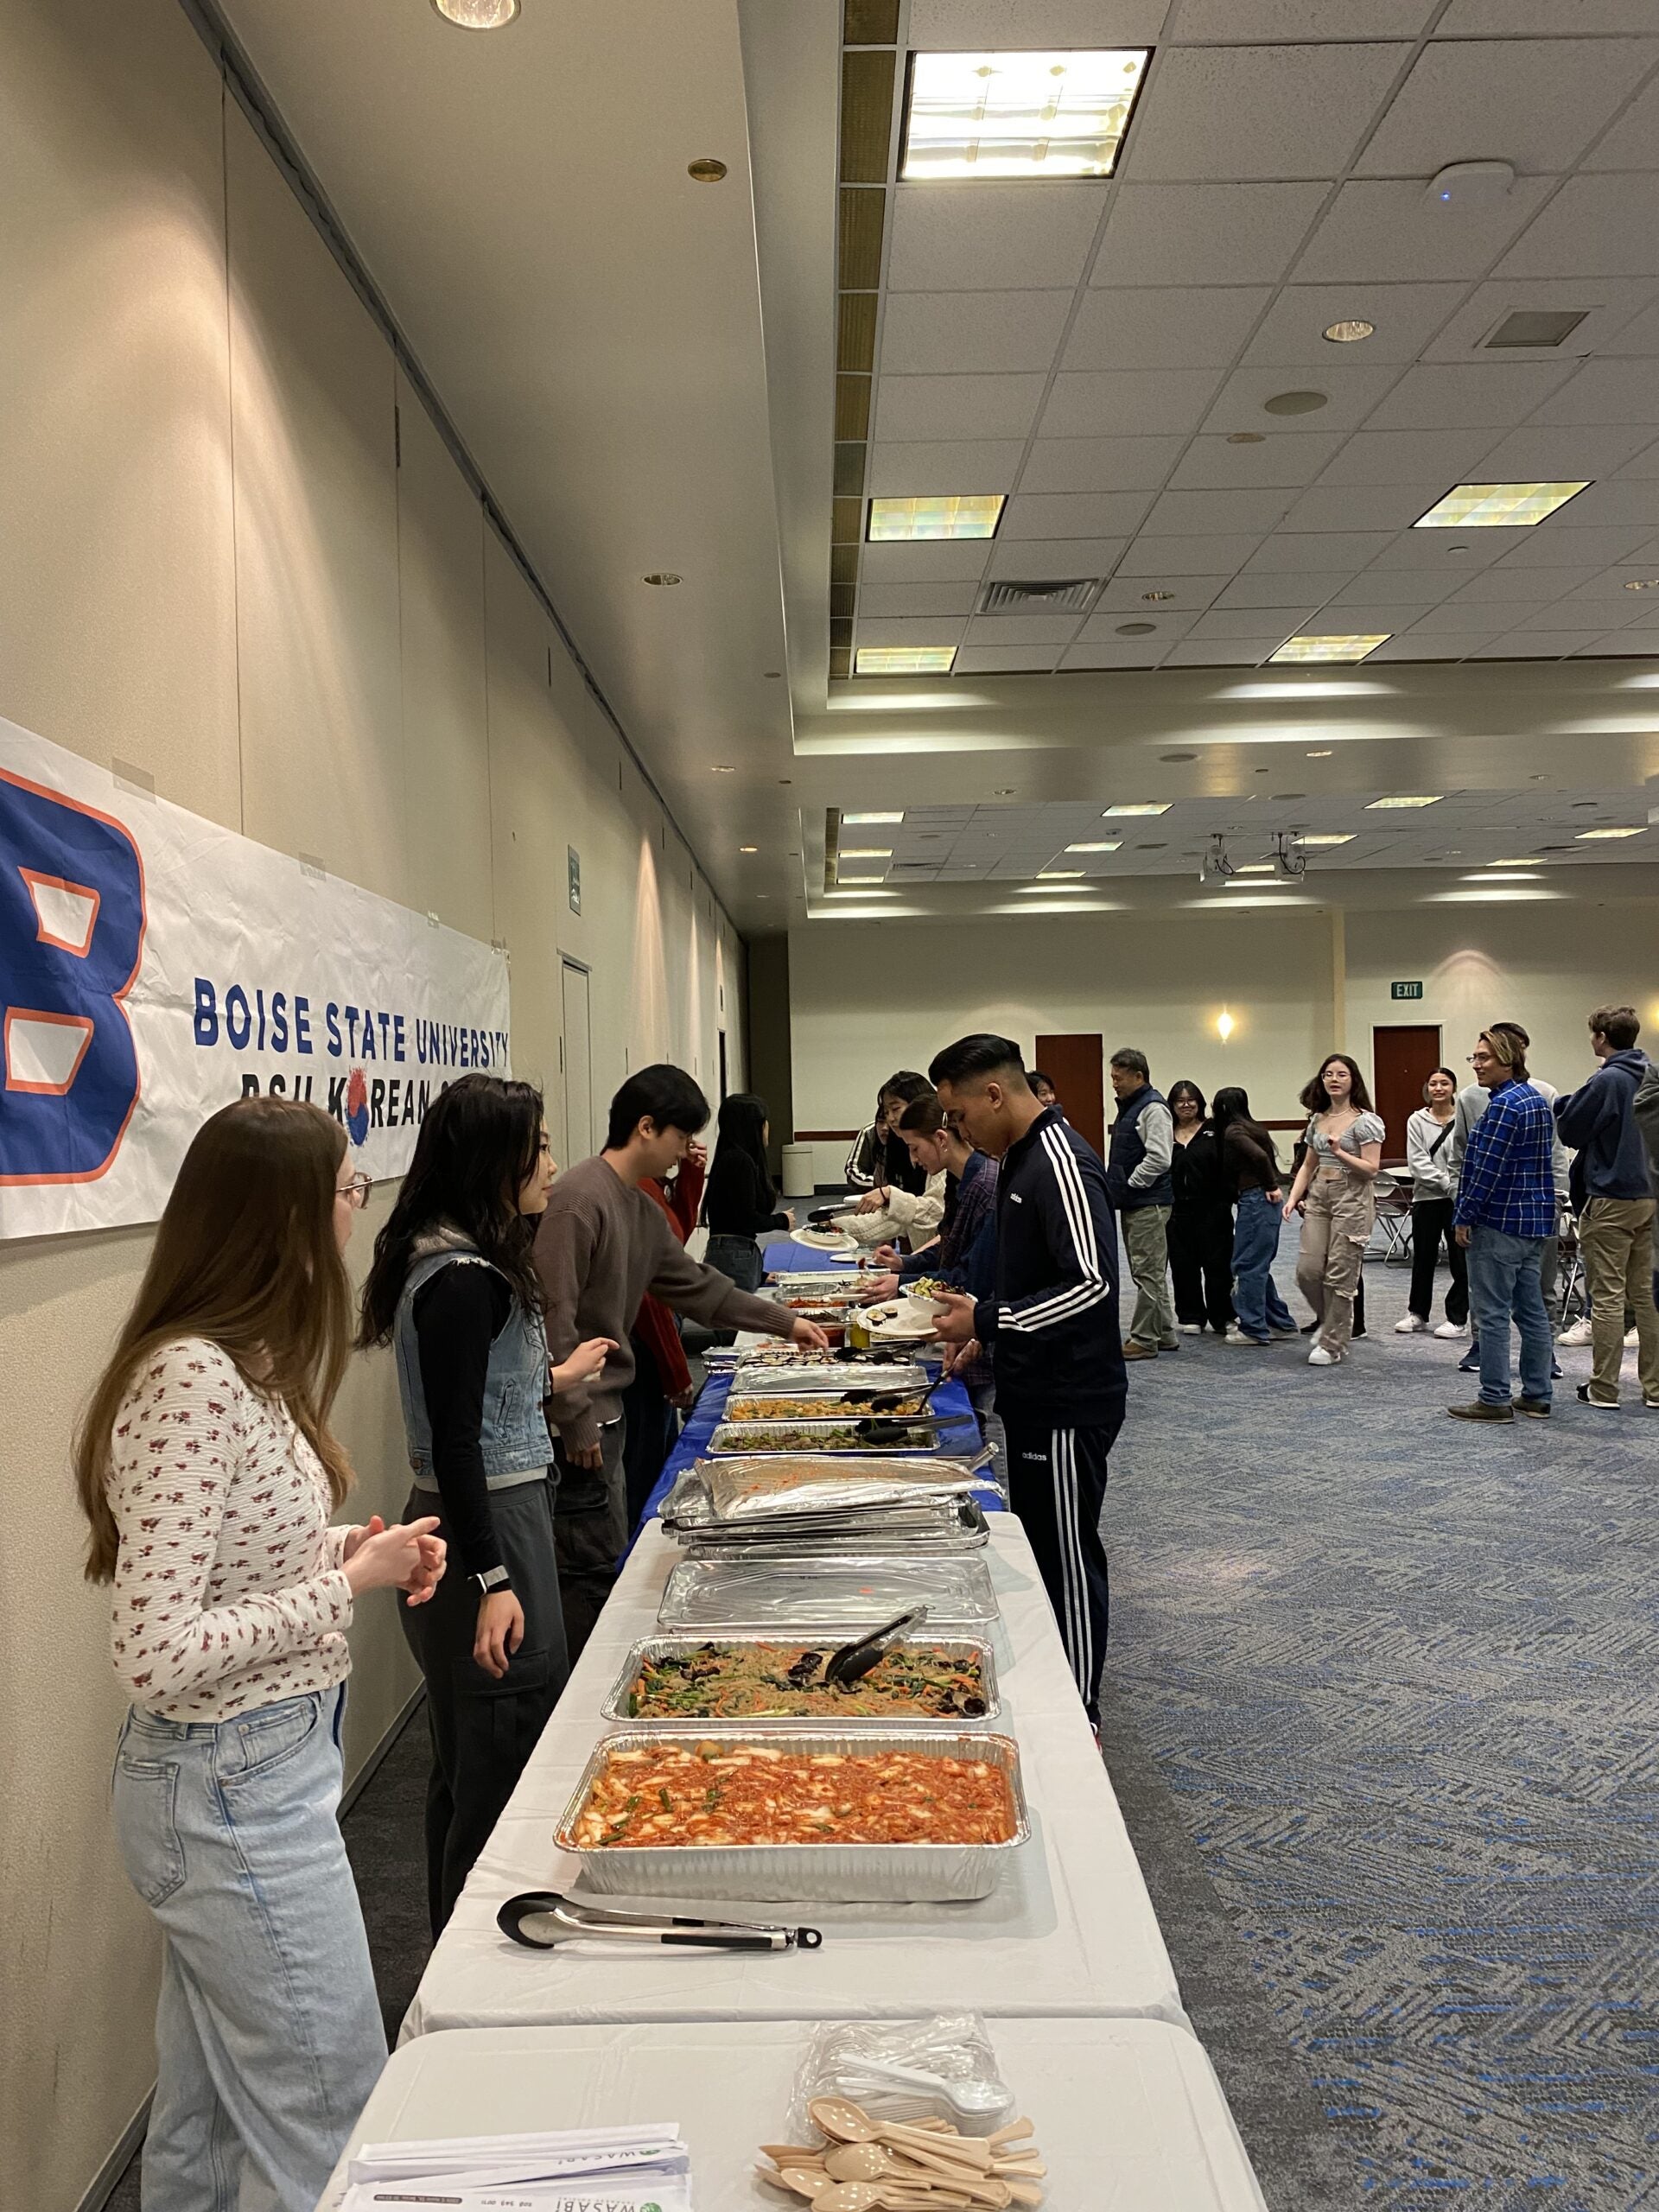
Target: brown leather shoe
(1533, 1409)
(1481, 1411)
(1132, 1350)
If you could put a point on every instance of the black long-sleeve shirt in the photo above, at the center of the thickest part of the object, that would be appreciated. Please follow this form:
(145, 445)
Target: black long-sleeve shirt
(1198, 1176)
(458, 1315)
(739, 1200)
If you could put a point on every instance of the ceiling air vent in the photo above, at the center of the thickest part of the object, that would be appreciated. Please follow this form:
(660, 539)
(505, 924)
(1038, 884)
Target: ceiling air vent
(1531, 327)
(1053, 596)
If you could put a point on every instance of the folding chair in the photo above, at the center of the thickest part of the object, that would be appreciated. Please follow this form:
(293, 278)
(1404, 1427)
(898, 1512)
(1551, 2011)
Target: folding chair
(1394, 1218)
(1571, 1285)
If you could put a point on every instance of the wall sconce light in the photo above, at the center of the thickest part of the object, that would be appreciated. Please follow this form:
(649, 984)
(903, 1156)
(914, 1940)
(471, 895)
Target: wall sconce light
(1224, 1026)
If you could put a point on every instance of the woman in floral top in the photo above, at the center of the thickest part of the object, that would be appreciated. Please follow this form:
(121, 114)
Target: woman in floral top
(208, 1475)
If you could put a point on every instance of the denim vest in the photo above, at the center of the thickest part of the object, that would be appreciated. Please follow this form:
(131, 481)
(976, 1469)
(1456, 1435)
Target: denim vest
(1128, 1149)
(512, 1435)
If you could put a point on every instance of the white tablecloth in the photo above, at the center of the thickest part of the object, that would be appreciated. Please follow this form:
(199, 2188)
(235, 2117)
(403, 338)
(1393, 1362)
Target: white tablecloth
(1069, 1929)
(1129, 2116)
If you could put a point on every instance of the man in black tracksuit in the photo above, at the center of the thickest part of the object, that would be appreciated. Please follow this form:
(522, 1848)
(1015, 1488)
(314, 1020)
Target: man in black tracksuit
(1051, 1328)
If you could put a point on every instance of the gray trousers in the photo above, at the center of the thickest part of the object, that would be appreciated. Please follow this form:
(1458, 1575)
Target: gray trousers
(1145, 1238)
(590, 1530)
(483, 1730)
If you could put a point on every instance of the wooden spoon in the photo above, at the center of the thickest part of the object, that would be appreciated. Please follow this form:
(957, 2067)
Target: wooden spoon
(809, 2182)
(1025, 2192)
(1015, 2132)
(857, 2162)
(850, 2197)
(840, 2117)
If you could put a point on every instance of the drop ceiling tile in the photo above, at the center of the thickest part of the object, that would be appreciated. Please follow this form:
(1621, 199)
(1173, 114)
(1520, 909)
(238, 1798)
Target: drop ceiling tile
(944, 333)
(938, 630)
(1406, 316)
(1543, 18)
(1558, 544)
(1607, 392)
(1386, 231)
(1107, 627)
(1260, 112)
(1414, 646)
(1445, 551)
(990, 237)
(932, 563)
(875, 601)
(1530, 645)
(1203, 233)
(1006, 660)
(1280, 590)
(1404, 589)
(916, 468)
(1362, 506)
(1278, 622)
(965, 26)
(1608, 590)
(1388, 457)
(1073, 514)
(1350, 394)
(1100, 464)
(1607, 304)
(1624, 641)
(1292, 552)
(1158, 558)
(1558, 456)
(1001, 630)
(1644, 467)
(1627, 499)
(1366, 618)
(1127, 595)
(1218, 23)
(955, 406)
(1281, 461)
(1542, 100)
(1038, 561)
(1469, 395)
(1456, 616)
(1217, 513)
(1116, 652)
(1639, 336)
(1133, 327)
(1496, 585)
(1594, 226)
(1222, 652)
(1633, 141)
(1147, 402)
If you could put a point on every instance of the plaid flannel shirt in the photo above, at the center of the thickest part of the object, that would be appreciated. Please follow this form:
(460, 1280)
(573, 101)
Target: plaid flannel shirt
(1506, 1183)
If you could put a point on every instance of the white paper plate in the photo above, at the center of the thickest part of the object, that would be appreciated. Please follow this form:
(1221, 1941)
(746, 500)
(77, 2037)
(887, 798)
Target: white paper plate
(826, 1240)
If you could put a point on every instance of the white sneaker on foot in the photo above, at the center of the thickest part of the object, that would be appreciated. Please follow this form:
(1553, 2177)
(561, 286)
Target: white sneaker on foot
(1453, 1329)
(1410, 1325)
(1319, 1358)
(1577, 1334)
(1191, 1328)
(1632, 1340)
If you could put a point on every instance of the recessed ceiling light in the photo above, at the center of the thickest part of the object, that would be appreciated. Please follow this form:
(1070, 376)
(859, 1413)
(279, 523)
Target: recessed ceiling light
(1004, 791)
(904, 660)
(1349, 334)
(869, 821)
(1633, 832)
(1334, 647)
(478, 15)
(1151, 806)
(1098, 845)
(1019, 115)
(1156, 598)
(1246, 438)
(1432, 799)
(962, 514)
(723, 768)
(1177, 756)
(1135, 629)
(837, 894)
(663, 578)
(1324, 753)
(705, 169)
(866, 852)
(1020, 889)
(1642, 583)
(1497, 506)
(1296, 402)
(1497, 875)
(1253, 868)
(748, 849)
(1332, 837)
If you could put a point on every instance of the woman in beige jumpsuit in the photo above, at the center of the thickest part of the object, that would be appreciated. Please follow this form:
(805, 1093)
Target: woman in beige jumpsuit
(1334, 1193)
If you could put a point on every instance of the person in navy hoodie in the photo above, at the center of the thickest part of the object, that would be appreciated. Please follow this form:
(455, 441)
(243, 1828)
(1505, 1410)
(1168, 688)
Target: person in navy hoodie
(1051, 1327)
(1616, 1207)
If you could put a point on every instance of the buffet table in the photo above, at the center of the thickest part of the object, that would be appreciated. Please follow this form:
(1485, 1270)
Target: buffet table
(1127, 2112)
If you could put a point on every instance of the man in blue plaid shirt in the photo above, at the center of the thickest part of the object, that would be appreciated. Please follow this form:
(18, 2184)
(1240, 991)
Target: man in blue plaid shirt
(1505, 1211)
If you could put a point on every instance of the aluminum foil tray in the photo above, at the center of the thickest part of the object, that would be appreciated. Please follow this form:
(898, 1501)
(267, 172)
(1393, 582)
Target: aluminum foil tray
(977, 1648)
(754, 1487)
(797, 1588)
(818, 1874)
(817, 1380)
(855, 1433)
(947, 1525)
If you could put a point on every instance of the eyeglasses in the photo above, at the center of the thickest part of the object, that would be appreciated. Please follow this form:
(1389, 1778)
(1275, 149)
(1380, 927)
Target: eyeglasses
(356, 1192)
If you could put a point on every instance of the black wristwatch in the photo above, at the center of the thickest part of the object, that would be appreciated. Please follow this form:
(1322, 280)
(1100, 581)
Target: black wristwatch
(492, 1579)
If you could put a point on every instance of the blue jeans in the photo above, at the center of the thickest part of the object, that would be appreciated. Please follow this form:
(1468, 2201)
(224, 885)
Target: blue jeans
(1255, 1241)
(1504, 1281)
(268, 2030)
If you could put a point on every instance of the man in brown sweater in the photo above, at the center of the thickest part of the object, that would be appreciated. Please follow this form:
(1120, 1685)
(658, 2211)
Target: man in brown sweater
(603, 1244)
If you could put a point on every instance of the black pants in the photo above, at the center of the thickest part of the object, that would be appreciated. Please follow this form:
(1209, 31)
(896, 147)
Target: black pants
(1056, 1485)
(650, 1426)
(590, 1533)
(483, 1730)
(1201, 1264)
(739, 1258)
(1431, 1222)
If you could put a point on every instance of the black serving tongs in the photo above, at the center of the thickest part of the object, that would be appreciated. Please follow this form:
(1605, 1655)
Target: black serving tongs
(541, 1919)
(848, 1665)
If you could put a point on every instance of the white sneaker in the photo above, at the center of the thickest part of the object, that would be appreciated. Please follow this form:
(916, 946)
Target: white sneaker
(1632, 1340)
(1319, 1358)
(1451, 1329)
(1192, 1329)
(1577, 1334)
(1410, 1325)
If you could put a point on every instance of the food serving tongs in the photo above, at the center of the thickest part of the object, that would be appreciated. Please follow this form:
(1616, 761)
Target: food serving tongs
(847, 1666)
(541, 1919)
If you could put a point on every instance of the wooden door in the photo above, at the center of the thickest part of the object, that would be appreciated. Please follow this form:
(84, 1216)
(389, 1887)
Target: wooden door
(1403, 1059)
(1077, 1067)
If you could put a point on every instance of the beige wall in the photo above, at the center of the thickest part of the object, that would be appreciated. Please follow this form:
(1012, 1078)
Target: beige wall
(863, 1003)
(213, 569)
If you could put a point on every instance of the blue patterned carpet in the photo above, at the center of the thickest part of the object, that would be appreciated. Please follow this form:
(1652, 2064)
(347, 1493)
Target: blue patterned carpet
(1402, 1677)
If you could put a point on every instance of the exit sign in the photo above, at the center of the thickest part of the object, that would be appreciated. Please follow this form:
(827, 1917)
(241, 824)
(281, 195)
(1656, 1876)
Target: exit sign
(1406, 990)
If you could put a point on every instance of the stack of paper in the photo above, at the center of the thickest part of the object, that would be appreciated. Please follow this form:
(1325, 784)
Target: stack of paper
(573, 2170)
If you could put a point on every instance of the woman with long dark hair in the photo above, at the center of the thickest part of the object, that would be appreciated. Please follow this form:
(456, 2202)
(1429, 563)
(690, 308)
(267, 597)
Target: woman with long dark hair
(1334, 1193)
(1250, 1175)
(740, 1203)
(880, 1160)
(208, 1472)
(1200, 1217)
(454, 1291)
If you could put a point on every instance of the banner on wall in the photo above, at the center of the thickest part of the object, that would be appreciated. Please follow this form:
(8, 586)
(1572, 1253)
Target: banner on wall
(154, 966)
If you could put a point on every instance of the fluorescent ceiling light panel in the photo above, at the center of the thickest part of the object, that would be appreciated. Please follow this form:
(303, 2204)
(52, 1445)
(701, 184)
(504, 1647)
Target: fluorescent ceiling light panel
(1098, 845)
(866, 852)
(1526, 859)
(1330, 837)
(1062, 906)
(860, 894)
(1161, 806)
(1486, 897)
(1432, 799)
(869, 820)
(840, 878)
(904, 660)
(1347, 647)
(1497, 506)
(1300, 690)
(968, 514)
(1635, 832)
(1019, 115)
(1062, 874)
(1496, 875)
(1253, 868)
